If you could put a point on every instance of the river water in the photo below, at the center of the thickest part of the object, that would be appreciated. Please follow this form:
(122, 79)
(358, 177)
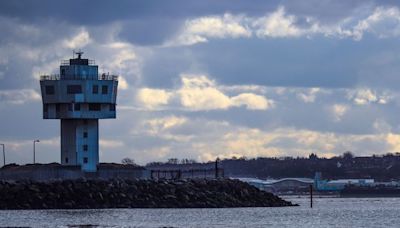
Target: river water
(327, 212)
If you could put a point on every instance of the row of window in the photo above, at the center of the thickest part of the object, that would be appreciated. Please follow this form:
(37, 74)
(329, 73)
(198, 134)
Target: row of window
(95, 89)
(85, 160)
(84, 147)
(77, 89)
(77, 107)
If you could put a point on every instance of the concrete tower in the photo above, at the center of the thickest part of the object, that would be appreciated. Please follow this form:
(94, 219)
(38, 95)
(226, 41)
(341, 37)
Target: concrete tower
(79, 96)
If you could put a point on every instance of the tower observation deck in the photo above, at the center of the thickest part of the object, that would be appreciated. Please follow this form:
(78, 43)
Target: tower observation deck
(79, 97)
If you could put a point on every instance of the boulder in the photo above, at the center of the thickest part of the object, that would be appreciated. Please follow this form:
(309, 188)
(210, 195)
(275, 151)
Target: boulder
(120, 193)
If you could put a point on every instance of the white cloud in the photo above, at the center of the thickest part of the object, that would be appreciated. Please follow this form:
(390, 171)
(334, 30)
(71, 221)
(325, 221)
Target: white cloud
(122, 83)
(252, 101)
(186, 39)
(383, 22)
(51, 142)
(163, 128)
(165, 123)
(230, 140)
(218, 27)
(243, 88)
(78, 41)
(208, 139)
(364, 96)
(339, 110)
(381, 126)
(394, 141)
(20, 150)
(277, 24)
(200, 29)
(198, 92)
(19, 96)
(308, 96)
(121, 57)
(109, 143)
(157, 153)
(153, 98)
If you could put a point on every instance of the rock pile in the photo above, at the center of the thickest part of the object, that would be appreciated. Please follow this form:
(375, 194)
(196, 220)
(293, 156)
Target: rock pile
(118, 193)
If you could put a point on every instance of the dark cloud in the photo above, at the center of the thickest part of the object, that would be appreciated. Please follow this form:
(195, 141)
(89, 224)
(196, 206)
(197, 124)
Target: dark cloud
(327, 11)
(313, 63)
(89, 12)
(35, 37)
(152, 31)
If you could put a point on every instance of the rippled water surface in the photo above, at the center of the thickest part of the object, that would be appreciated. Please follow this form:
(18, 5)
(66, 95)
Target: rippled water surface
(327, 212)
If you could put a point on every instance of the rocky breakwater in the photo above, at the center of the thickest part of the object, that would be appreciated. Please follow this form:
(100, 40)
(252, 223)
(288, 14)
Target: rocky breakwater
(119, 193)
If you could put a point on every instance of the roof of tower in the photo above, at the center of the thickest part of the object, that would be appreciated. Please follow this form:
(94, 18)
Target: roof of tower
(78, 60)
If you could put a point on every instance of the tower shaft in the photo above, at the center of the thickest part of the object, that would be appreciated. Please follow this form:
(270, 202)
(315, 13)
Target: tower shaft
(80, 143)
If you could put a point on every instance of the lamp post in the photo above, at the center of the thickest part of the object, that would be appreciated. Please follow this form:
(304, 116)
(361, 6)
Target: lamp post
(4, 154)
(216, 167)
(34, 153)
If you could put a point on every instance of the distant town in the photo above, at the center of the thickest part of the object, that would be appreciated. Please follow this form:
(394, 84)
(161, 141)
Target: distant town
(379, 167)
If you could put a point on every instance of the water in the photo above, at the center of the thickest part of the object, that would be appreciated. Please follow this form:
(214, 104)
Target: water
(327, 212)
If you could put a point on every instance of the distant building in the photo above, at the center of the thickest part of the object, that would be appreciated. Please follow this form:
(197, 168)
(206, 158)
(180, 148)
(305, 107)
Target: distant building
(79, 97)
(301, 185)
(338, 185)
(284, 185)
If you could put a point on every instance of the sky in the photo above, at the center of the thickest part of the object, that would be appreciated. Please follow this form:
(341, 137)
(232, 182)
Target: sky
(207, 79)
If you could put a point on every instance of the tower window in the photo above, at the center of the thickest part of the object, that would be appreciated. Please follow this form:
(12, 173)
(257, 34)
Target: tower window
(66, 160)
(57, 107)
(74, 89)
(112, 107)
(45, 108)
(85, 160)
(70, 107)
(94, 107)
(85, 147)
(95, 89)
(49, 90)
(104, 89)
(62, 72)
(77, 107)
(85, 134)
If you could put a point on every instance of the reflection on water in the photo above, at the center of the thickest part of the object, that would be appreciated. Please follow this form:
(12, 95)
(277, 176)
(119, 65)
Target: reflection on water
(327, 212)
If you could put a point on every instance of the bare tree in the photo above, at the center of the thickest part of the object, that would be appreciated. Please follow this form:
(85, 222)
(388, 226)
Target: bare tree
(128, 161)
(348, 155)
(173, 161)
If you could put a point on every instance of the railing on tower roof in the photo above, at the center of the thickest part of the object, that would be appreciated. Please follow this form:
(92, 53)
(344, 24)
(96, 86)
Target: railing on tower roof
(67, 62)
(103, 76)
(49, 77)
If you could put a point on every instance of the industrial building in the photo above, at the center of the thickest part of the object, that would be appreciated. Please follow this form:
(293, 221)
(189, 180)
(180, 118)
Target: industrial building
(79, 97)
(301, 185)
(281, 186)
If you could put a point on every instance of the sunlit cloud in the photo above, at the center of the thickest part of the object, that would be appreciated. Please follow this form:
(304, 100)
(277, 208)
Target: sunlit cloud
(198, 92)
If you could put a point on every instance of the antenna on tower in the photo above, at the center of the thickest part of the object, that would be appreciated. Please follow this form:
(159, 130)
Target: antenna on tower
(79, 53)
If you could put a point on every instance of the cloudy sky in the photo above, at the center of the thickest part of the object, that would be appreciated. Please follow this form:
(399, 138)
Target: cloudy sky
(201, 79)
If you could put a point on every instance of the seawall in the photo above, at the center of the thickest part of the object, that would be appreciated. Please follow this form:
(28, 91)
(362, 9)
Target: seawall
(126, 193)
(52, 171)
